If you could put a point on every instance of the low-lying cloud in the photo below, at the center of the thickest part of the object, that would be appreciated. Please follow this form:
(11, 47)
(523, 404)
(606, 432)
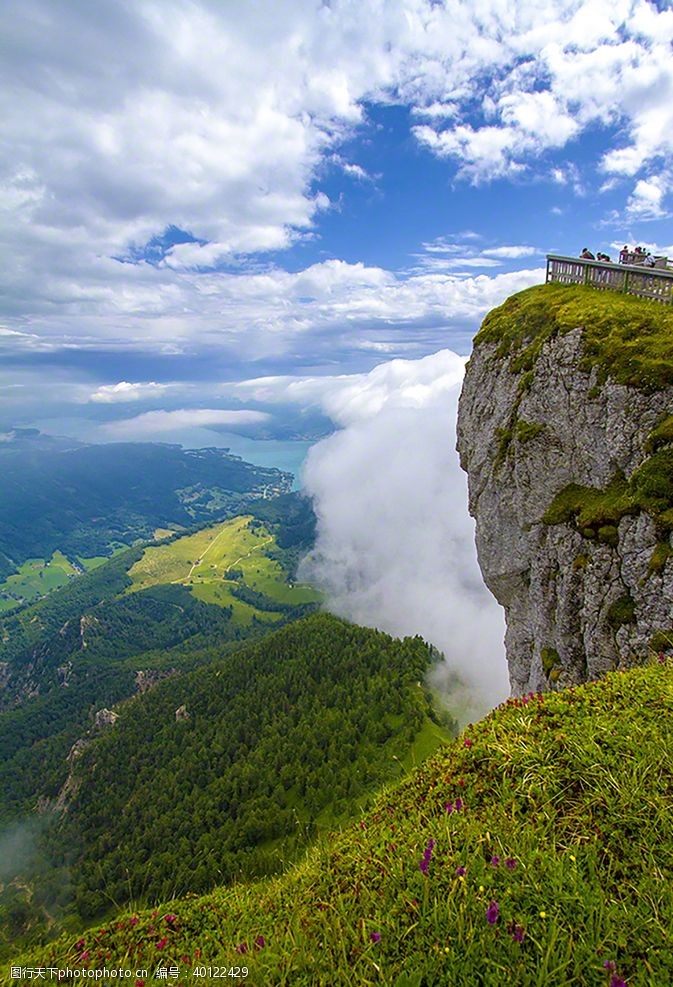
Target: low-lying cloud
(152, 423)
(127, 391)
(395, 546)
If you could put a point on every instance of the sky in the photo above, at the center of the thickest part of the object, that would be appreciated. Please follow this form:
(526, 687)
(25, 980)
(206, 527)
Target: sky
(212, 208)
(286, 221)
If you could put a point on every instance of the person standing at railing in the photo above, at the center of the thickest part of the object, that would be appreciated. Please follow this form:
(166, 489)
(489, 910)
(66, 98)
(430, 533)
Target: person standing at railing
(586, 254)
(624, 254)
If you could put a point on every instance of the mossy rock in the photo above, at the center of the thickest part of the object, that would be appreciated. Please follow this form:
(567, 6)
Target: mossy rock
(525, 431)
(550, 659)
(628, 339)
(660, 556)
(622, 611)
(661, 436)
(662, 641)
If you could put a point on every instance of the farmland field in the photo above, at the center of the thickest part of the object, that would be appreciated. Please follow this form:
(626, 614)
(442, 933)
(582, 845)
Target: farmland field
(217, 560)
(34, 579)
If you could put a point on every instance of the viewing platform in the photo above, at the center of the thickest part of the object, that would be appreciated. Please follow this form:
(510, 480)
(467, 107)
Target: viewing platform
(654, 283)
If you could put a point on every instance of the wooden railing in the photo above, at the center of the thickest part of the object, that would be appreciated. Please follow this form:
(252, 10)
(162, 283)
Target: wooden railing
(646, 282)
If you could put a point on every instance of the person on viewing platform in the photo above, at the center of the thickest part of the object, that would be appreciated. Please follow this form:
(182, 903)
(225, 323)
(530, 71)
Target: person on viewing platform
(649, 261)
(624, 254)
(587, 255)
(603, 257)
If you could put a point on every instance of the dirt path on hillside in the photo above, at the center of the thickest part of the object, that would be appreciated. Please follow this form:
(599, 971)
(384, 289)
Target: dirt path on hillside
(253, 549)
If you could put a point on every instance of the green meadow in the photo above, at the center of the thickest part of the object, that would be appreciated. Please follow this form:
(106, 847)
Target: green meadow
(216, 562)
(34, 579)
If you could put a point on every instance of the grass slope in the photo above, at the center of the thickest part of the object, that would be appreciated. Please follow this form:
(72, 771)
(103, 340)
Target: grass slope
(557, 861)
(628, 339)
(216, 560)
(35, 578)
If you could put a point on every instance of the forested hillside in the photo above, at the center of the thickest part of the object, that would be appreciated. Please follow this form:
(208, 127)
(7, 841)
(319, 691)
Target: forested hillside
(81, 648)
(535, 850)
(228, 771)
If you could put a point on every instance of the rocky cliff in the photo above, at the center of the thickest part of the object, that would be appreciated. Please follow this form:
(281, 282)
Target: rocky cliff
(565, 429)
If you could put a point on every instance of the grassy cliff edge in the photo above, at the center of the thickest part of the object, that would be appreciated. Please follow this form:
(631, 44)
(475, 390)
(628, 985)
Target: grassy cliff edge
(535, 850)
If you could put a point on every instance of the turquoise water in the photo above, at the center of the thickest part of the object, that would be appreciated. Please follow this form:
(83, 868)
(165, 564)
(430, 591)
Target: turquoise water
(284, 454)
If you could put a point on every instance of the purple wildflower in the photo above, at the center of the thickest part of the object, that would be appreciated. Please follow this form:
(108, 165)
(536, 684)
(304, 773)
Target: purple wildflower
(617, 981)
(374, 936)
(242, 947)
(495, 860)
(459, 805)
(449, 807)
(260, 942)
(492, 912)
(510, 863)
(460, 872)
(517, 932)
(610, 966)
(424, 863)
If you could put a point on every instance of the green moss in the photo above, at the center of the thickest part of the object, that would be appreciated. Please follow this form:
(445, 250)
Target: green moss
(662, 641)
(660, 556)
(662, 435)
(652, 483)
(622, 611)
(593, 509)
(504, 437)
(550, 658)
(581, 561)
(525, 431)
(596, 512)
(628, 339)
(608, 534)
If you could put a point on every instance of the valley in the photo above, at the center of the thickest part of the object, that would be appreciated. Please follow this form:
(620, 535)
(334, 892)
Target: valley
(227, 564)
(180, 703)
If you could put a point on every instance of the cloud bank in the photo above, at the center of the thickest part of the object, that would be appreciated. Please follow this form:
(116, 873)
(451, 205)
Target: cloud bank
(152, 423)
(126, 124)
(395, 546)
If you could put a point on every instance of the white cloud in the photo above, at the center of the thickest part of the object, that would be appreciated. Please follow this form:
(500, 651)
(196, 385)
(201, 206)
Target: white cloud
(120, 120)
(395, 546)
(158, 422)
(646, 201)
(125, 391)
(513, 252)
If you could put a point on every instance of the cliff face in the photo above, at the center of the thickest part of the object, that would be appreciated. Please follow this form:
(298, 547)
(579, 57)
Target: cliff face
(566, 434)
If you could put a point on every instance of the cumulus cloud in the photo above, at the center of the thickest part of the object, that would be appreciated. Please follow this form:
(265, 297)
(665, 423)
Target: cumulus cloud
(122, 121)
(126, 391)
(646, 201)
(395, 546)
(152, 423)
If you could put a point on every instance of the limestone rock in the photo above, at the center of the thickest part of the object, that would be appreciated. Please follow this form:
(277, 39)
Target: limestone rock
(105, 718)
(575, 606)
(146, 679)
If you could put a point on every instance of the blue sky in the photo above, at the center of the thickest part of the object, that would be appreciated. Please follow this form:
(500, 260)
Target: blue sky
(196, 195)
